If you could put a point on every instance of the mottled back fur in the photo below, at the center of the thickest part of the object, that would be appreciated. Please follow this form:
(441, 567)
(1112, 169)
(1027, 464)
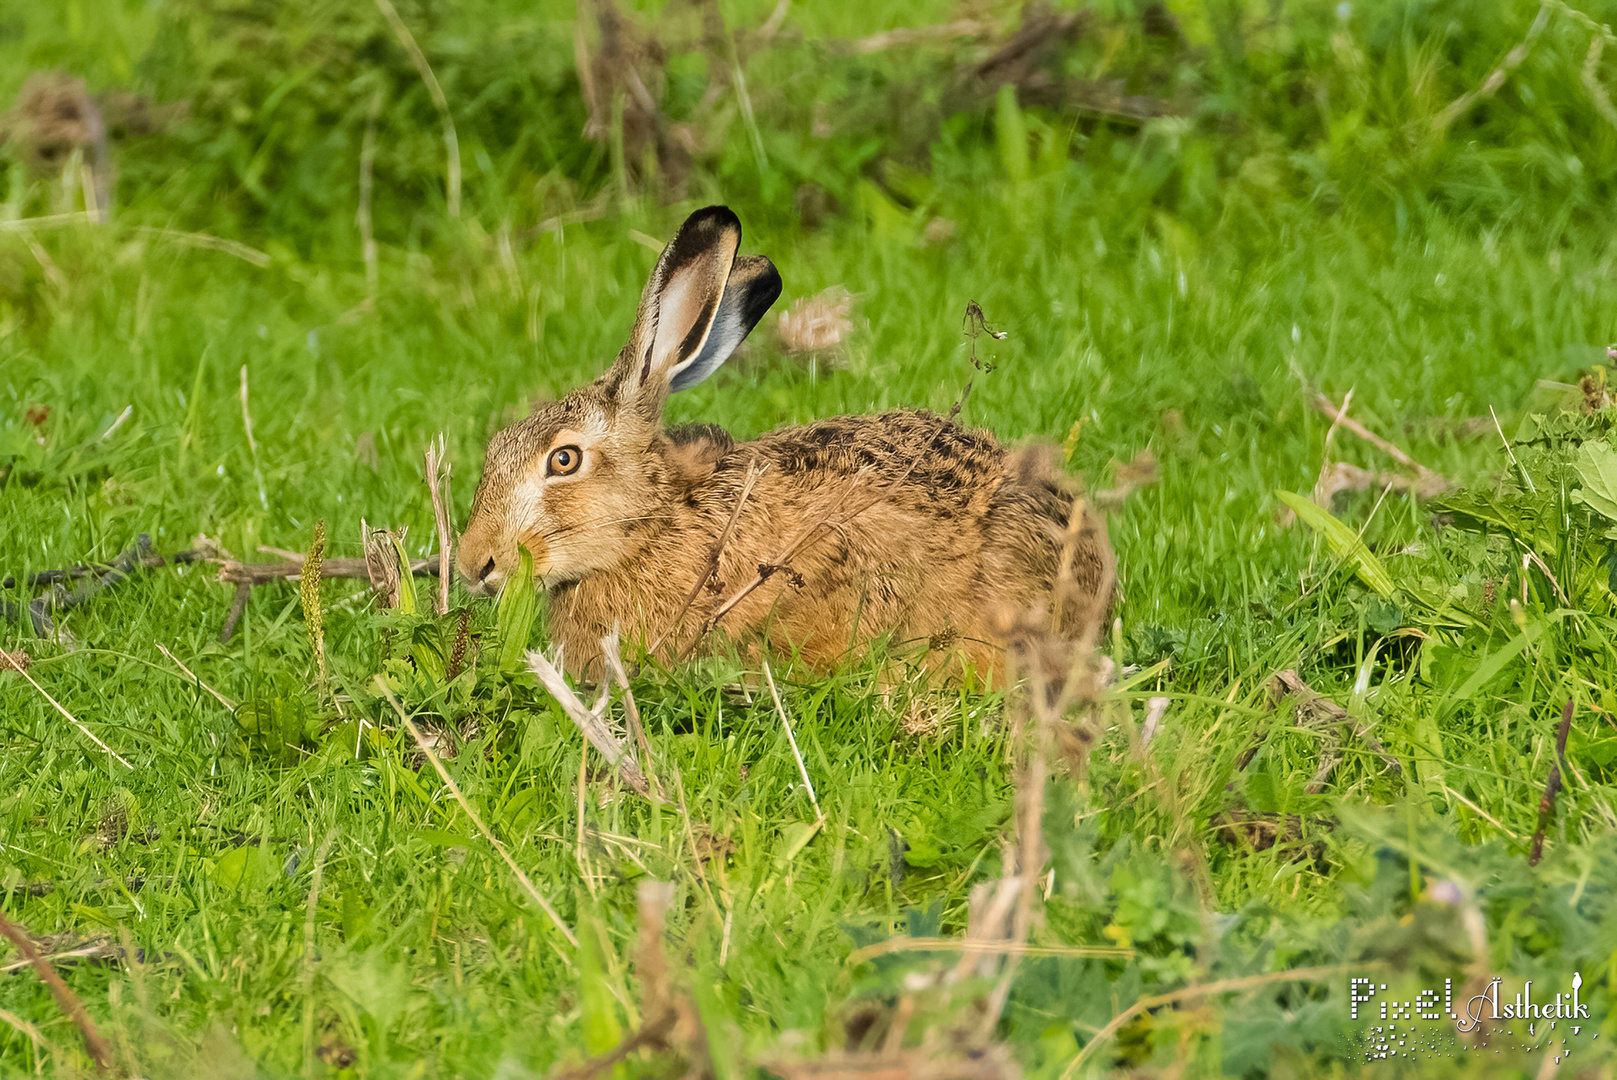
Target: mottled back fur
(907, 525)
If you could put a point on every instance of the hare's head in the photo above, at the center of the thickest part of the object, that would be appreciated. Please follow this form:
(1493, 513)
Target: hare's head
(575, 480)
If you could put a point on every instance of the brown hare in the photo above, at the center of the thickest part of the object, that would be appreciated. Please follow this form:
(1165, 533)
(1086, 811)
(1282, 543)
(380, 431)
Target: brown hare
(901, 524)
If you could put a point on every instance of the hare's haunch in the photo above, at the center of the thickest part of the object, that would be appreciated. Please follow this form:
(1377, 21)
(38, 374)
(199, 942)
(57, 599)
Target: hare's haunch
(901, 524)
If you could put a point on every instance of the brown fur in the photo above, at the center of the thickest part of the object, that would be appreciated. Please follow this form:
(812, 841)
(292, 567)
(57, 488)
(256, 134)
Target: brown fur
(920, 526)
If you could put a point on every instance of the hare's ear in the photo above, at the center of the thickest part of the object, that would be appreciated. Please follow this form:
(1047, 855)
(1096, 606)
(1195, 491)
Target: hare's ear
(700, 302)
(753, 286)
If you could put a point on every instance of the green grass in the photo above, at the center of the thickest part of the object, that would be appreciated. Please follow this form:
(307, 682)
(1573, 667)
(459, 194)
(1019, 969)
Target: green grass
(1158, 294)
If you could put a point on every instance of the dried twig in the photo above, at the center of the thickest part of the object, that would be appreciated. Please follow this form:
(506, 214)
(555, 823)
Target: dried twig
(61, 600)
(1552, 787)
(100, 1050)
(1426, 482)
(454, 790)
(244, 592)
(631, 712)
(754, 471)
(236, 573)
(591, 724)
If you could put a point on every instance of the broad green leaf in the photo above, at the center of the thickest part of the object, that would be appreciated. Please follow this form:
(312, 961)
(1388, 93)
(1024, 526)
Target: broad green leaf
(406, 579)
(1343, 541)
(231, 868)
(1596, 465)
(515, 612)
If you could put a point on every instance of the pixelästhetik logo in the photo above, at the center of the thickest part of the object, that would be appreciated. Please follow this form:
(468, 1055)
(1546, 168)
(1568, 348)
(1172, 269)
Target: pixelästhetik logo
(1431, 1024)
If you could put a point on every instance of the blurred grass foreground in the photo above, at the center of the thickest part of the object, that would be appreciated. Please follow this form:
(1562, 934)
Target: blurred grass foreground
(1314, 297)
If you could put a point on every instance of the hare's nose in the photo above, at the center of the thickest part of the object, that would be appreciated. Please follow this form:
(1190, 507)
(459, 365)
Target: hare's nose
(488, 568)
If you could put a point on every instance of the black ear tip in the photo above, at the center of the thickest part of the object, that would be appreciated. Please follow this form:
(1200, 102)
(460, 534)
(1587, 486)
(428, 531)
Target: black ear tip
(712, 220)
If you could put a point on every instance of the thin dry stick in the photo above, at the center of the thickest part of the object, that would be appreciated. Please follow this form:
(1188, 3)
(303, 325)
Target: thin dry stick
(1496, 78)
(754, 471)
(1222, 986)
(438, 487)
(984, 948)
(614, 663)
(367, 157)
(6, 663)
(307, 977)
(802, 770)
(235, 573)
(226, 702)
(419, 59)
(1552, 787)
(66, 1000)
(443, 774)
(594, 729)
(1339, 415)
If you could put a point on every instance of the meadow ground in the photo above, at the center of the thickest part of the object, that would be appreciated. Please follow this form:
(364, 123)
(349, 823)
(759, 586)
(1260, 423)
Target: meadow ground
(282, 887)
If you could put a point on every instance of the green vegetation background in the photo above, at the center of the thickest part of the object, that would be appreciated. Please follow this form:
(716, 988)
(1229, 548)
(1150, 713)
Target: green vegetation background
(1305, 212)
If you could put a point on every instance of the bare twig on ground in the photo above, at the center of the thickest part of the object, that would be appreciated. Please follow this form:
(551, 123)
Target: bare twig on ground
(237, 573)
(100, 1050)
(454, 790)
(59, 599)
(1425, 484)
(1552, 787)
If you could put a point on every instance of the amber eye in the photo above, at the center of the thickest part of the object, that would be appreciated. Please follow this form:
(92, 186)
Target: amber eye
(563, 460)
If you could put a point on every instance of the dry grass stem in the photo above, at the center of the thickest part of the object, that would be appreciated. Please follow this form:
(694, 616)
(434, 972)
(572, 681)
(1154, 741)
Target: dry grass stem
(22, 669)
(437, 462)
(802, 770)
(226, 702)
(100, 1050)
(1426, 482)
(25, 1029)
(754, 471)
(975, 947)
(589, 722)
(631, 712)
(441, 103)
(454, 790)
(1221, 986)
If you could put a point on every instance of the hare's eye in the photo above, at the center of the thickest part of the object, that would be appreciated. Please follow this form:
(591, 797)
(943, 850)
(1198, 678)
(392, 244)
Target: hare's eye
(564, 460)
